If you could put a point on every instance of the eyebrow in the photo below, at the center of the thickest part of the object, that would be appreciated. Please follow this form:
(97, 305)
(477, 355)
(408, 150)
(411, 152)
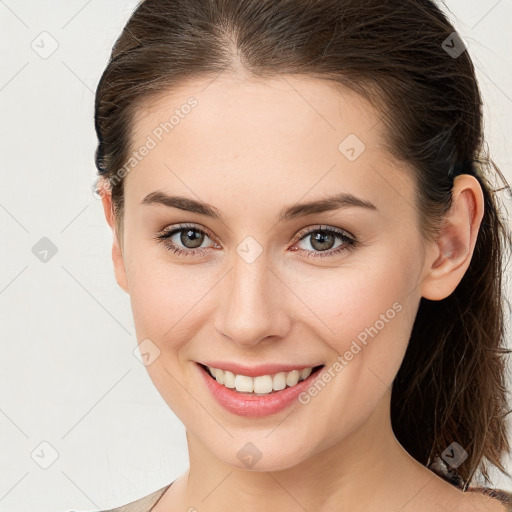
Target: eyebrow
(336, 202)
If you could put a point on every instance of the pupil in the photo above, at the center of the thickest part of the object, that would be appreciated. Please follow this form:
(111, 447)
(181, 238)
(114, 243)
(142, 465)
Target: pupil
(321, 237)
(196, 240)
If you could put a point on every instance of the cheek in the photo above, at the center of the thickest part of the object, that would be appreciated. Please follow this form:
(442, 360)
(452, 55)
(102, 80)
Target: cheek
(364, 310)
(167, 299)
(366, 316)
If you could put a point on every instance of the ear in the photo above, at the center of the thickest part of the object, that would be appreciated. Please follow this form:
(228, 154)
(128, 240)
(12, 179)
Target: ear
(452, 252)
(105, 191)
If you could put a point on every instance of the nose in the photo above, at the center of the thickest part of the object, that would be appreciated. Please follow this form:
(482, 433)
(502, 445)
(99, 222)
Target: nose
(253, 304)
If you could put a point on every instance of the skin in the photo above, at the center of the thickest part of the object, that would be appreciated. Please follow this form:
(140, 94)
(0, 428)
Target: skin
(250, 148)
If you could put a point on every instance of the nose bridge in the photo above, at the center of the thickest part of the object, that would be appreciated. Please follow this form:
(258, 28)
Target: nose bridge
(251, 309)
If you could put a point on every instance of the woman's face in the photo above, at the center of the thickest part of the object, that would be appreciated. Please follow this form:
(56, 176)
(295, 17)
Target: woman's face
(254, 285)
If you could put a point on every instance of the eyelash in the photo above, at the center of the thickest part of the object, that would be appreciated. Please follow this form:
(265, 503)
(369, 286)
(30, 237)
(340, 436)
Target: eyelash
(349, 243)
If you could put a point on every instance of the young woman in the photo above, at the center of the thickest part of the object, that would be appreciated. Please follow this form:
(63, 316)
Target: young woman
(309, 230)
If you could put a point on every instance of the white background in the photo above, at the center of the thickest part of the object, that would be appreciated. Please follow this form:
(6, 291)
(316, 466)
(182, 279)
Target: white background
(68, 375)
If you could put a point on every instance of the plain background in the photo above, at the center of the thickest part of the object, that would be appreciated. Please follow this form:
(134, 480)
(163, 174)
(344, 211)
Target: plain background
(68, 375)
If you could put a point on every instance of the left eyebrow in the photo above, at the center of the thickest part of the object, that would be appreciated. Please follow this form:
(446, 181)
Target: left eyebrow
(336, 202)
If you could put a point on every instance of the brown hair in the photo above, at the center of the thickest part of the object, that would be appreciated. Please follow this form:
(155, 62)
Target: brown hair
(399, 56)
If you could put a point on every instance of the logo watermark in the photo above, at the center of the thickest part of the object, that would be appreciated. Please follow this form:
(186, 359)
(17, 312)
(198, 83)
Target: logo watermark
(355, 348)
(152, 141)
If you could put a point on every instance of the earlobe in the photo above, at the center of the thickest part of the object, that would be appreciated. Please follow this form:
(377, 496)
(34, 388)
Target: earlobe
(119, 267)
(117, 254)
(453, 250)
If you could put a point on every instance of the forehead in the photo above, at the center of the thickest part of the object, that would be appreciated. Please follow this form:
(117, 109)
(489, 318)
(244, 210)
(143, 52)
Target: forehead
(286, 137)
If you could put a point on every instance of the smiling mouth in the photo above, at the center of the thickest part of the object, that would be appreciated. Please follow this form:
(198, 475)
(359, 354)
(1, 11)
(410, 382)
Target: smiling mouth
(261, 385)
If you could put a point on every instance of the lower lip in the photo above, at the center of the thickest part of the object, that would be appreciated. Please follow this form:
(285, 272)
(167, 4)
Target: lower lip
(252, 405)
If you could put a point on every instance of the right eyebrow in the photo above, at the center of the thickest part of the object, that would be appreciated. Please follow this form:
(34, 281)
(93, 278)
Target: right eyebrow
(182, 203)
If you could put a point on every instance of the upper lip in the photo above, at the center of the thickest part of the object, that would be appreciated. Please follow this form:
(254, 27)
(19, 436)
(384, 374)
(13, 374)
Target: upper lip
(256, 370)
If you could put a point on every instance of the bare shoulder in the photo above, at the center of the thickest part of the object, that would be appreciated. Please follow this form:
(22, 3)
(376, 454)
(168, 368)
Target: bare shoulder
(485, 499)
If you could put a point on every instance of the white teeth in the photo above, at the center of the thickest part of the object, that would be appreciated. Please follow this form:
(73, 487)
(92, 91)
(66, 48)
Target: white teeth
(304, 374)
(243, 383)
(229, 379)
(292, 378)
(261, 385)
(279, 381)
(219, 376)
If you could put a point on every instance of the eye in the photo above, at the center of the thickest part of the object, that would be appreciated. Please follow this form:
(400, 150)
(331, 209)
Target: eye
(192, 237)
(324, 239)
(189, 235)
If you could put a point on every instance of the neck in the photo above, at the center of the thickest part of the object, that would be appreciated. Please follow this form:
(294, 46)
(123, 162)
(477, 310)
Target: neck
(335, 477)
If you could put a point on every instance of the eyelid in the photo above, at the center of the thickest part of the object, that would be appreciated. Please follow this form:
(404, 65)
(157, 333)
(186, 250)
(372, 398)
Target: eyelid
(349, 242)
(304, 231)
(323, 227)
(176, 228)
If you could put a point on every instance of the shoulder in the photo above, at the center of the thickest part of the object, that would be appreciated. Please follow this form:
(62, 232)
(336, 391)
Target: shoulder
(144, 504)
(498, 495)
(500, 500)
